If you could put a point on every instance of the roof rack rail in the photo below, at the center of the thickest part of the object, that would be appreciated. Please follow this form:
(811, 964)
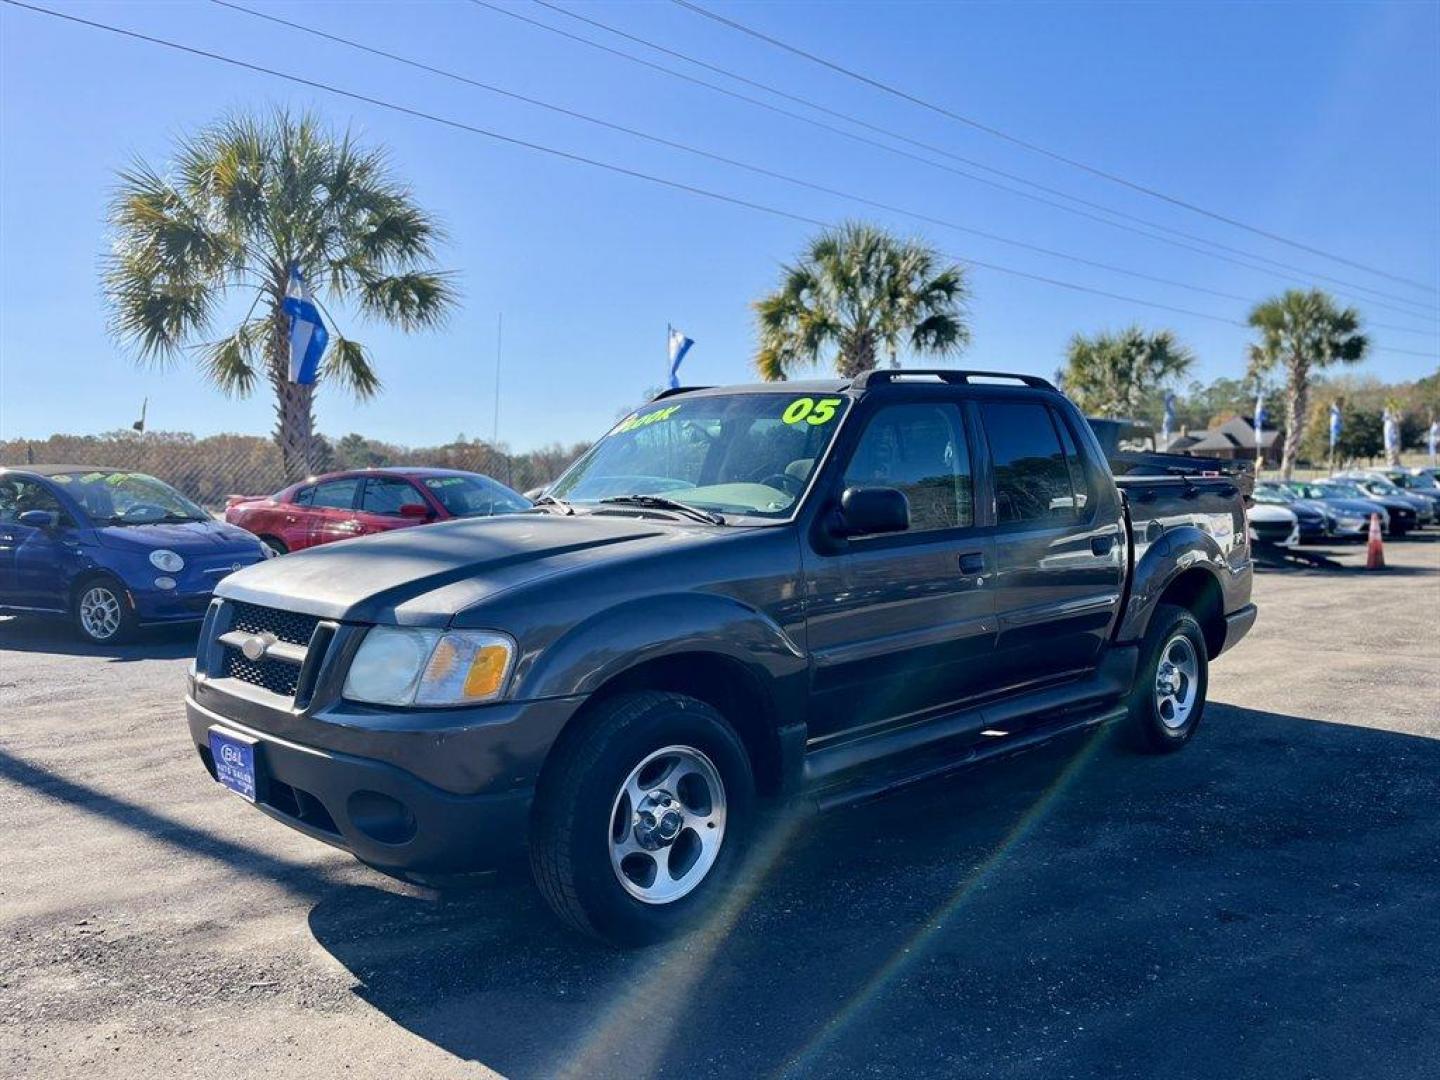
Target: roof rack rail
(671, 391)
(955, 376)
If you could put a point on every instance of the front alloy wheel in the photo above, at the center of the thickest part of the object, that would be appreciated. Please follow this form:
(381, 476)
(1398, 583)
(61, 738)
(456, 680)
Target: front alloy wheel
(641, 817)
(102, 615)
(667, 824)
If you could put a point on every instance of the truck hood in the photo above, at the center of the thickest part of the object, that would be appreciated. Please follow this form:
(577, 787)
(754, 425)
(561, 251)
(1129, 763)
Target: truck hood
(387, 577)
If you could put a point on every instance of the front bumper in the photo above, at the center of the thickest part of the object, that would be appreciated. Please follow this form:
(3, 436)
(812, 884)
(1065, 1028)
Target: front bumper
(386, 814)
(381, 814)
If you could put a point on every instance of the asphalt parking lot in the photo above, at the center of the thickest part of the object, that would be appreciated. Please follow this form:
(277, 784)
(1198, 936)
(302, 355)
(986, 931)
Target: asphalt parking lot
(1263, 904)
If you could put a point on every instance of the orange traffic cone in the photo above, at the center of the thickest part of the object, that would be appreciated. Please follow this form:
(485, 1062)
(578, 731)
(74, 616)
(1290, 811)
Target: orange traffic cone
(1375, 551)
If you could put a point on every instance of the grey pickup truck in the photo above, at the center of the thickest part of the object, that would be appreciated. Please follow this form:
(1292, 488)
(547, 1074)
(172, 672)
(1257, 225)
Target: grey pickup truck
(805, 591)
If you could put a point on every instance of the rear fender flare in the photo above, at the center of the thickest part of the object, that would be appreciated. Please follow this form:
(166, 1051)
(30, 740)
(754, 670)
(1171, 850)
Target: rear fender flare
(1180, 550)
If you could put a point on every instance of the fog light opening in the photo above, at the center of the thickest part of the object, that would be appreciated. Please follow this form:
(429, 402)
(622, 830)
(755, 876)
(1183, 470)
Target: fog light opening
(381, 817)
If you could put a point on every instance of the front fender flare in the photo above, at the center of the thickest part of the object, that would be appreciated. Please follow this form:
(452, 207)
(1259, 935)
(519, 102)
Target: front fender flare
(610, 642)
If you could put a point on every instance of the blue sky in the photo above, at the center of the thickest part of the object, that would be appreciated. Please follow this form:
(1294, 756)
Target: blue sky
(1320, 122)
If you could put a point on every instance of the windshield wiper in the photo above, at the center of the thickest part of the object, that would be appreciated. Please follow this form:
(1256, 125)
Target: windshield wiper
(660, 502)
(551, 500)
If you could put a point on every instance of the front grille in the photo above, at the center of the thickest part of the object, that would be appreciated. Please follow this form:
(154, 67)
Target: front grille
(274, 675)
(277, 675)
(293, 627)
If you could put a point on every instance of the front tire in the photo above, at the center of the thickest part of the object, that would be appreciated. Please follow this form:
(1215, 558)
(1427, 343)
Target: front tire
(1168, 699)
(102, 613)
(641, 818)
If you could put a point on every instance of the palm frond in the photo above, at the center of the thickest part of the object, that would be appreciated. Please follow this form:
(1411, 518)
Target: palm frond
(413, 301)
(231, 363)
(349, 364)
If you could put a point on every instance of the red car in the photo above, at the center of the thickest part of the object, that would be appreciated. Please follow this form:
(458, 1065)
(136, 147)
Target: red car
(340, 505)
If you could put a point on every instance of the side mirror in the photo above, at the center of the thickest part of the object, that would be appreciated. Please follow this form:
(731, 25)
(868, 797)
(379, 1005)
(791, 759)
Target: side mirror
(866, 511)
(39, 519)
(415, 510)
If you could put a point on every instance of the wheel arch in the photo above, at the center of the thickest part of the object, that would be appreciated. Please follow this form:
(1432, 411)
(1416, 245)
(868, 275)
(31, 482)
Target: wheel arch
(733, 688)
(1197, 589)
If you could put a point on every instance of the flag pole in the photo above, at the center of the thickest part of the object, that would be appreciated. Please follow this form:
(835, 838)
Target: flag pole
(499, 331)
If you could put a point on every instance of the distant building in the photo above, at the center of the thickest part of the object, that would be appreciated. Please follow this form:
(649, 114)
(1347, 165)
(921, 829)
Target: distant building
(1232, 440)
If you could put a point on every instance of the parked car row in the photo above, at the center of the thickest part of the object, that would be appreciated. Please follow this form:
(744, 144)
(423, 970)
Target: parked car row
(115, 550)
(1340, 507)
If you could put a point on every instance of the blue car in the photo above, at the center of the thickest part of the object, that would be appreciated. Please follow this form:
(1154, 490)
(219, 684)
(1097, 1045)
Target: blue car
(112, 549)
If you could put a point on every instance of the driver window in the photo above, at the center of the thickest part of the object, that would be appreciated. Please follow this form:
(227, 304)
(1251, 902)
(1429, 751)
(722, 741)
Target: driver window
(921, 451)
(385, 495)
(20, 496)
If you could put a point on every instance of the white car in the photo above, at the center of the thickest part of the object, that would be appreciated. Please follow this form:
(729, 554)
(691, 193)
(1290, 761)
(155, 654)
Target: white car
(1272, 526)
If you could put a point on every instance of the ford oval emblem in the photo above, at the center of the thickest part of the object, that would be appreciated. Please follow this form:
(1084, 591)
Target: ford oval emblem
(254, 647)
(234, 566)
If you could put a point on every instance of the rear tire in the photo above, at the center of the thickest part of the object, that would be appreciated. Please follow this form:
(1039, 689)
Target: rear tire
(102, 613)
(641, 818)
(275, 544)
(1168, 699)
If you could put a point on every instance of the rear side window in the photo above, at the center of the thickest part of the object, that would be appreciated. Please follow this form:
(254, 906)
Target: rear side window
(304, 497)
(1079, 483)
(386, 494)
(336, 494)
(920, 450)
(1032, 479)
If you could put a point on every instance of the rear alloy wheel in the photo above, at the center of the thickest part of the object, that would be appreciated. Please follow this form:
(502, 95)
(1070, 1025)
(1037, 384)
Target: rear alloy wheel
(1168, 698)
(641, 817)
(102, 613)
(274, 547)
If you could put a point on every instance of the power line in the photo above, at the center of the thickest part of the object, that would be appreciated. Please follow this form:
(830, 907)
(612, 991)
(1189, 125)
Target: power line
(748, 166)
(577, 158)
(1304, 275)
(998, 133)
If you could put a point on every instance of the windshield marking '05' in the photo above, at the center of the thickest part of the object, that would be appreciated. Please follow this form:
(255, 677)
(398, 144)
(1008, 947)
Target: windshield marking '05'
(737, 454)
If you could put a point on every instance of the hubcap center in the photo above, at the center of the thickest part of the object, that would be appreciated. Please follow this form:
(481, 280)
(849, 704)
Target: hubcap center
(657, 821)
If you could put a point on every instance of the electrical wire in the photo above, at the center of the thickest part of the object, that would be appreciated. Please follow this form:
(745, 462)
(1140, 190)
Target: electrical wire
(1303, 274)
(577, 158)
(1037, 148)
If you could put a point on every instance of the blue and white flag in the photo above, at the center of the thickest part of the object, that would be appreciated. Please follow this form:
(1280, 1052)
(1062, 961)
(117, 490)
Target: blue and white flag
(1434, 437)
(1167, 421)
(1392, 431)
(1260, 415)
(308, 336)
(1334, 425)
(679, 346)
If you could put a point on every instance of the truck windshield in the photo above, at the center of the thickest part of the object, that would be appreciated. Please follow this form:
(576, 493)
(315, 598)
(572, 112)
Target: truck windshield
(128, 498)
(748, 454)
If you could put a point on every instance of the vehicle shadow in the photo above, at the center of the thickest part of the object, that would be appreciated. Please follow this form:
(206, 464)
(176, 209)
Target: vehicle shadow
(53, 634)
(1261, 904)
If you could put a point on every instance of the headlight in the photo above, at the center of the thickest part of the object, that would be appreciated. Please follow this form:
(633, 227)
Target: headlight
(1352, 523)
(166, 560)
(397, 665)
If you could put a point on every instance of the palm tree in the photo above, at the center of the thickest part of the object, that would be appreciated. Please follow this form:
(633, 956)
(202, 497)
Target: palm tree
(245, 201)
(1301, 332)
(1110, 374)
(862, 292)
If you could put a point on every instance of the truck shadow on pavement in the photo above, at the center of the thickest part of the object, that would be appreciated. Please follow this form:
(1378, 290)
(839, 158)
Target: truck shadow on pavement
(47, 634)
(1262, 904)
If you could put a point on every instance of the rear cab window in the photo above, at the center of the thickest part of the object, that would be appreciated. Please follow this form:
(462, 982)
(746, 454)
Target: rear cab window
(1037, 482)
